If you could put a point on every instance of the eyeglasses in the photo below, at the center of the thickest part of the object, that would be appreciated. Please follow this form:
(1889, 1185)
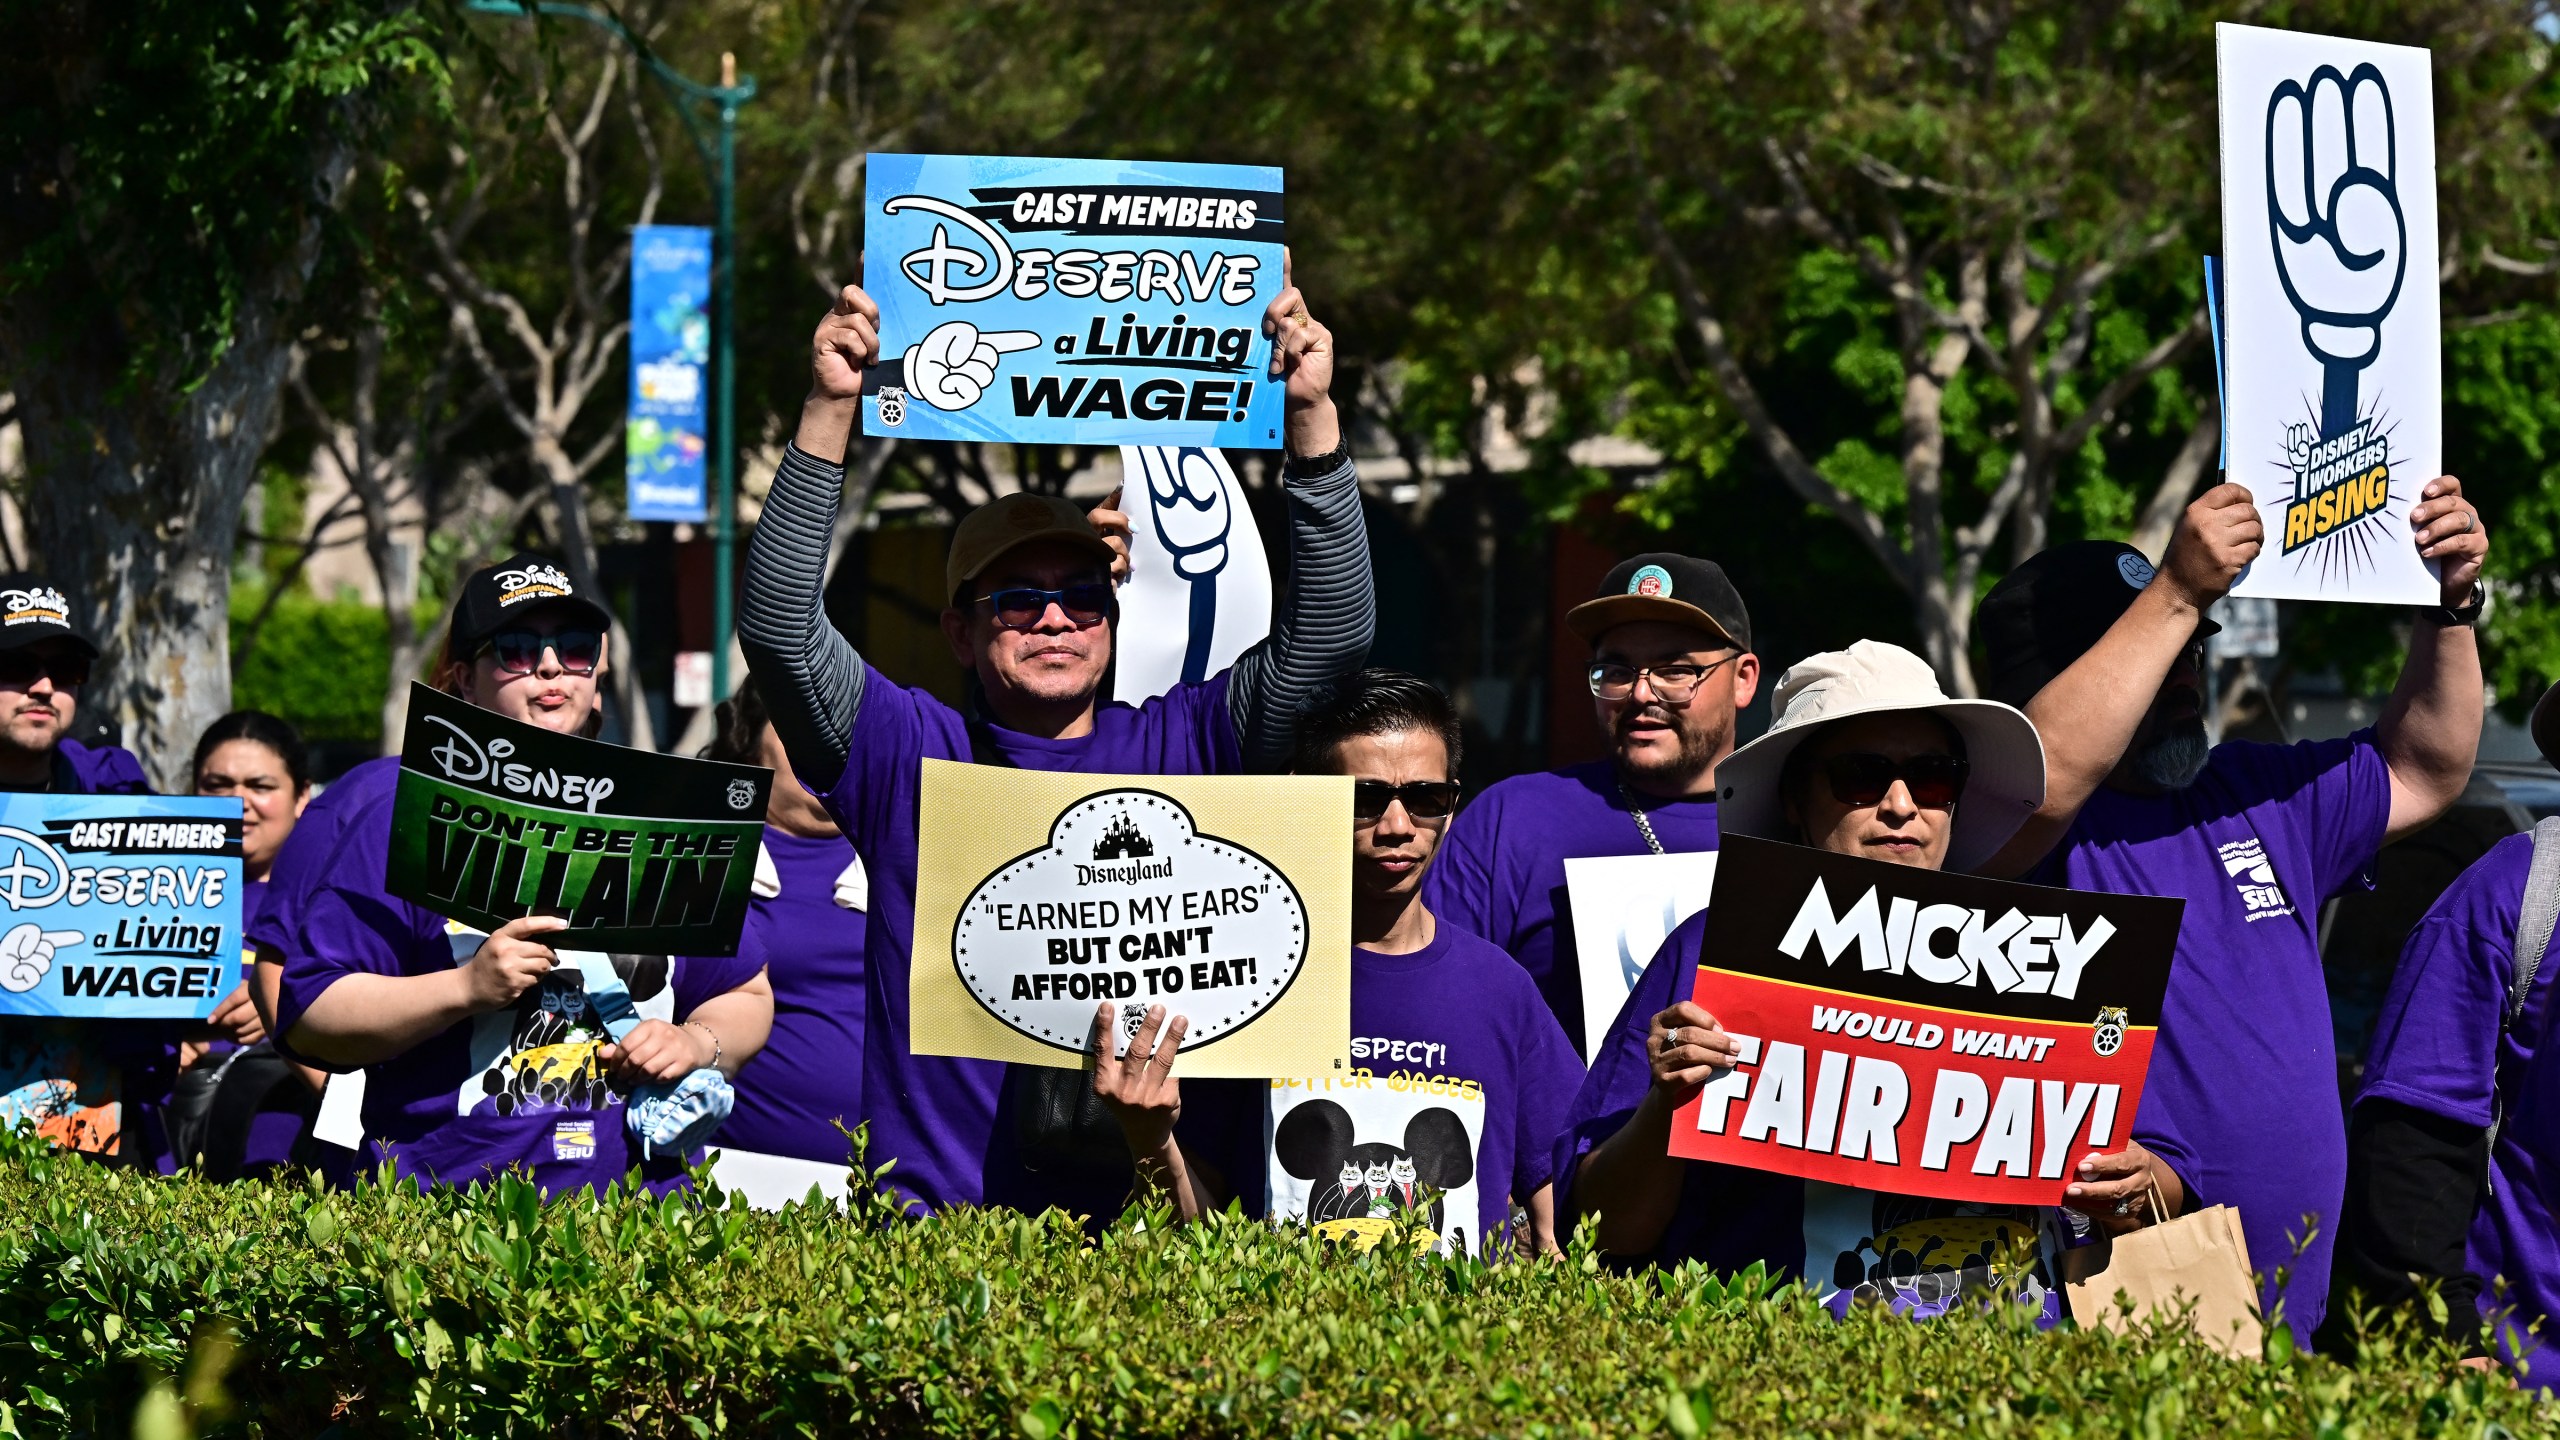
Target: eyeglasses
(1672, 684)
(1861, 780)
(22, 668)
(1423, 799)
(519, 652)
(1087, 605)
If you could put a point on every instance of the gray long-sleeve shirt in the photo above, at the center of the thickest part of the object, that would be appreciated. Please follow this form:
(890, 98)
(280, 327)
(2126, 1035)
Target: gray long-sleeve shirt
(812, 677)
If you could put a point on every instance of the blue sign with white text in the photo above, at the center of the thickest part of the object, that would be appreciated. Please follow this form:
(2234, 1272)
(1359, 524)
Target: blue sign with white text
(670, 355)
(120, 906)
(1072, 302)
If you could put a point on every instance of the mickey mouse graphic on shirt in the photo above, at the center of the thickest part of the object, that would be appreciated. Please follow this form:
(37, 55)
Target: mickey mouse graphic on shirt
(1358, 1189)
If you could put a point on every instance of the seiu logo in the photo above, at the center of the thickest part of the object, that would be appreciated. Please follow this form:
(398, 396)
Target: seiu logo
(2254, 876)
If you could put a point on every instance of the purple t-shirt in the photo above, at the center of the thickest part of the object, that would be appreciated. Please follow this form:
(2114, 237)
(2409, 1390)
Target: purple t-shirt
(1847, 1244)
(2242, 1098)
(514, 1087)
(1458, 1083)
(308, 851)
(1500, 869)
(949, 1122)
(809, 1075)
(2438, 1046)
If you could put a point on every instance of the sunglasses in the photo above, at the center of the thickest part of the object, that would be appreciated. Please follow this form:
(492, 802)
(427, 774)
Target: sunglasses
(1087, 604)
(1861, 780)
(1423, 799)
(1672, 684)
(20, 668)
(519, 652)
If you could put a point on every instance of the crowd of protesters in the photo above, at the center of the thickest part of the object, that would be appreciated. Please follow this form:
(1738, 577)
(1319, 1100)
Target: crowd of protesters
(2086, 766)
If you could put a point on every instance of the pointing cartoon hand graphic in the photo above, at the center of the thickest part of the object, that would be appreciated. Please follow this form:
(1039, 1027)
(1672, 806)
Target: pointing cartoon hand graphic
(26, 955)
(2341, 242)
(954, 364)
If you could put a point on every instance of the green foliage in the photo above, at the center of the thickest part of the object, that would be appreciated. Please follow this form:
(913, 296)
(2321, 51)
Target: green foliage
(319, 663)
(389, 1312)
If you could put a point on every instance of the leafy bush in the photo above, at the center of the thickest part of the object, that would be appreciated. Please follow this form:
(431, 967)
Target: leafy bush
(134, 1305)
(318, 663)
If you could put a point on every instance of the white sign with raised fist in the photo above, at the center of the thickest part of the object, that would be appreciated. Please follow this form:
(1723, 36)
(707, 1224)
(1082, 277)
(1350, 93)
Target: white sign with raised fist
(2334, 413)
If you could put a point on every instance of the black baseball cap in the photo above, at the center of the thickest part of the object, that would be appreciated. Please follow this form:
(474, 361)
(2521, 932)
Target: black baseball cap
(2048, 612)
(503, 594)
(33, 611)
(1678, 589)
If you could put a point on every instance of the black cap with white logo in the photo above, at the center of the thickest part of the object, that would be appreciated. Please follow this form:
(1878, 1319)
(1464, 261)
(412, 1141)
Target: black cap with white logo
(504, 593)
(31, 611)
(2051, 609)
(1678, 589)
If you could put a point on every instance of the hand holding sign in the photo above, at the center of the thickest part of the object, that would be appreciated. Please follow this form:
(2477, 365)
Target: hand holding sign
(847, 342)
(510, 962)
(1137, 1086)
(950, 368)
(2341, 243)
(1688, 1047)
(26, 955)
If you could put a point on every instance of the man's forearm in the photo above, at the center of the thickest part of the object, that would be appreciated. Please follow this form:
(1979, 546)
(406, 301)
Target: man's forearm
(1632, 1182)
(1327, 616)
(367, 1019)
(811, 677)
(2429, 732)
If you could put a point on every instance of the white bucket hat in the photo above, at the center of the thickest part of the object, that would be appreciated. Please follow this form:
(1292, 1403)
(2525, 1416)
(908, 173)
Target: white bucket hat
(1871, 678)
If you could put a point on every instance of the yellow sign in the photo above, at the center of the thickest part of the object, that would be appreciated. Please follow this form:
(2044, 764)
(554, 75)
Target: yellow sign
(1041, 897)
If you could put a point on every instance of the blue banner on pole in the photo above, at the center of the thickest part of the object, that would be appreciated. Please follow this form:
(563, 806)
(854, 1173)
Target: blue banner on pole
(670, 361)
(1072, 302)
(118, 906)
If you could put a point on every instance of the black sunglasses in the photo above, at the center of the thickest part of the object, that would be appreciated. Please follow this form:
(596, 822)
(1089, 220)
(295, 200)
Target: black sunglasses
(1864, 779)
(1423, 799)
(1087, 604)
(519, 652)
(21, 667)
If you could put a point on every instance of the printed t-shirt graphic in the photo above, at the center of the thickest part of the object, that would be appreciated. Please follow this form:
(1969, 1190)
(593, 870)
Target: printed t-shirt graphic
(1459, 1077)
(938, 1116)
(2441, 1044)
(1500, 869)
(2242, 1100)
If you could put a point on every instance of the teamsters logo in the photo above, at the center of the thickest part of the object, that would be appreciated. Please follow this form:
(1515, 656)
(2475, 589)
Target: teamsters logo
(42, 605)
(1129, 902)
(2107, 1036)
(533, 582)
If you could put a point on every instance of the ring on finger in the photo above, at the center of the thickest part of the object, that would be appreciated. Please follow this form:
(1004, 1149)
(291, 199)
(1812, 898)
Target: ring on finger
(2125, 1205)
(1670, 1039)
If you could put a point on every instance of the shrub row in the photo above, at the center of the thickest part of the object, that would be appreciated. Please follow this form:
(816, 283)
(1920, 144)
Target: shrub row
(138, 1306)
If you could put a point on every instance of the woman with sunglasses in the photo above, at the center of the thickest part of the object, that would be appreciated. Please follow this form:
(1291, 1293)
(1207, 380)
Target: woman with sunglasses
(1866, 757)
(485, 1052)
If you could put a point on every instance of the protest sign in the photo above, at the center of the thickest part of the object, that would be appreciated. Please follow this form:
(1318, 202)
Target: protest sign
(1921, 1033)
(1199, 588)
(1226, 899)
(1072, 302)
(1623, 907)
(670, 348)
(121, 907)
(495, 819)
(2328, 277)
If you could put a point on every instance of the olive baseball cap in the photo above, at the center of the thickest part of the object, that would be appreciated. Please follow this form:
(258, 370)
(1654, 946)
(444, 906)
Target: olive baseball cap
(31, 611)
(1009, 522)
(2046, 613)
(1677, 589)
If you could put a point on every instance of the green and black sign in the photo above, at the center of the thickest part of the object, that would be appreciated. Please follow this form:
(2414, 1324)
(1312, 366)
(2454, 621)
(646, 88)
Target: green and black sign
(496, 819)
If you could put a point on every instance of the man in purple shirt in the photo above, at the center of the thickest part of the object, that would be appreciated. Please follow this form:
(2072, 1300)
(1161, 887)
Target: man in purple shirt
(2454, 1142)
(2102, 652)
(1030, 619)
(73, 1078)
(1671, 665)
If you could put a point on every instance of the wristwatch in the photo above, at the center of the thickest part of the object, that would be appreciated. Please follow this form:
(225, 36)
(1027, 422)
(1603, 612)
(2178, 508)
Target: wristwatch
(2465, 614)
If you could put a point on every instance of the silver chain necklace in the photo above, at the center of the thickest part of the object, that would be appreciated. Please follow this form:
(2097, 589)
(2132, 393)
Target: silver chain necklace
(1652, 841)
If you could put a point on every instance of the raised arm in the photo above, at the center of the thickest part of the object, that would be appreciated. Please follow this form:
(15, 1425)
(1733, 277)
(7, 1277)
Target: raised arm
(2429, 733)
(1330, 612)
(811, 676)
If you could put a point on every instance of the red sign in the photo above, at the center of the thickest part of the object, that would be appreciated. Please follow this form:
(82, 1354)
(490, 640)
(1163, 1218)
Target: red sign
(1920, 1033)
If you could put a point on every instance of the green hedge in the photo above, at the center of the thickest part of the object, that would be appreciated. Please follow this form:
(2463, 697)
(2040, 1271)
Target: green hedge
(318, 663)
(138, 1306)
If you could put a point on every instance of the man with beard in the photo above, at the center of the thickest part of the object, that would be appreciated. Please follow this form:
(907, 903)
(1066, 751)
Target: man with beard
(2105, 655)
(1671, 664)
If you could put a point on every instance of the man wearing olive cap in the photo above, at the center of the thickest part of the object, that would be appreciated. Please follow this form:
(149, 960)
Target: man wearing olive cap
(1671, 666)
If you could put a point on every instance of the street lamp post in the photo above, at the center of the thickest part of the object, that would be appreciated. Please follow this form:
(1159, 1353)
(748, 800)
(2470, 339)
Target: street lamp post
(722, 167)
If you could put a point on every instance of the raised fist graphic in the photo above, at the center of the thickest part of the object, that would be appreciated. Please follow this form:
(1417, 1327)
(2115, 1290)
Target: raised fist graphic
(954, 364)
(26, 955)
(2340, 240)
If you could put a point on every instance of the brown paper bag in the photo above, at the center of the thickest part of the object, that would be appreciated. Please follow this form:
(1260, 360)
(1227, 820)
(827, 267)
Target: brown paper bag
(2201, 1258)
